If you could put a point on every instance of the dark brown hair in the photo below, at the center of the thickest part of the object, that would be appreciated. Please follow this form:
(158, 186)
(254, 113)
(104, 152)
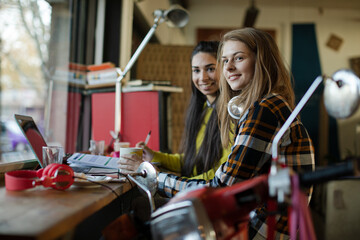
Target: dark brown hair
(211, 149)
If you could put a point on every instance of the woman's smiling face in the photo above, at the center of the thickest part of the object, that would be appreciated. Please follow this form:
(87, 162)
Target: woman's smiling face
(204, 75)
(238, 64)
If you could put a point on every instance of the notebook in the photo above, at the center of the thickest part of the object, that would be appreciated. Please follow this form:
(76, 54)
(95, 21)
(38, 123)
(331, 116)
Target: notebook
(32, 134)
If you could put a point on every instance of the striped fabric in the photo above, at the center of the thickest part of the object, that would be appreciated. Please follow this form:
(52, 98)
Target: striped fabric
(251, 152)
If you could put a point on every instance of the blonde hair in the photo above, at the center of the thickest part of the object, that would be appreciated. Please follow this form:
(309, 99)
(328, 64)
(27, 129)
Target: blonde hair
(270, 76)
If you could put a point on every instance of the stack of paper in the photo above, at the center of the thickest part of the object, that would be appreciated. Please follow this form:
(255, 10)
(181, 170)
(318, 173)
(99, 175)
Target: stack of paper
(88, 160)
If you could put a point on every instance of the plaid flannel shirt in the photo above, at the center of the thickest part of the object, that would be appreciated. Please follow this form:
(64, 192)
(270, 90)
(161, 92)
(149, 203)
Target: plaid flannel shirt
(251, 153)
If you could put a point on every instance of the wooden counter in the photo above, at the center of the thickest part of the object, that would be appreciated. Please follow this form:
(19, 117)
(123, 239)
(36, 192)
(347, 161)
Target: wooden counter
(46, 213)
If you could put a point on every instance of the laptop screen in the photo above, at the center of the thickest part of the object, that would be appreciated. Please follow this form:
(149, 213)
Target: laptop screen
(32, 134)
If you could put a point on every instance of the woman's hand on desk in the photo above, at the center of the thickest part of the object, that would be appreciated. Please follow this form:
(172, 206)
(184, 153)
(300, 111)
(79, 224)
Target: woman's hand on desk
(148, 154)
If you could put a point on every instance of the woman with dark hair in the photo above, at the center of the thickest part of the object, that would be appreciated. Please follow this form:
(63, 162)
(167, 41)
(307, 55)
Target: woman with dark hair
(201, 144)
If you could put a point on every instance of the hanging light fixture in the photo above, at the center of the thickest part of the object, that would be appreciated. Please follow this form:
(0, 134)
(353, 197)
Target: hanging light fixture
(251, 15)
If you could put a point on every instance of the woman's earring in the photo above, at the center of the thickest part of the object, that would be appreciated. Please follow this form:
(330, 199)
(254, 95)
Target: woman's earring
(233, 109)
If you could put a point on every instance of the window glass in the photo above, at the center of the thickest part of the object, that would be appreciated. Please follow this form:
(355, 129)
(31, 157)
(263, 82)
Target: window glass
(34, 44)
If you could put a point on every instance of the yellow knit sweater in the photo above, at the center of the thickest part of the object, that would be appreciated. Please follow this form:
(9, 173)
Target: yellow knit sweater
(173, 162)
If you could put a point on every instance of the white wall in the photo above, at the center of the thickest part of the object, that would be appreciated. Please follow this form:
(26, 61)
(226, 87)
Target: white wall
(344, 23)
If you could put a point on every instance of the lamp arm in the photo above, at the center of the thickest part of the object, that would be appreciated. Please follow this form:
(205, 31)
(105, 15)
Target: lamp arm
(140, 48)
(117, 105)
(291, 118)
(147, 192)
(279, 182)
(157, 21)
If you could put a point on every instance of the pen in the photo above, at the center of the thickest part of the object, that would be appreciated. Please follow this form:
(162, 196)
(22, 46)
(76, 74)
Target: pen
(147, 138)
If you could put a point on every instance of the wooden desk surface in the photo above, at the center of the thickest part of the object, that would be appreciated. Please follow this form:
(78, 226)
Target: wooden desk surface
(46, 213)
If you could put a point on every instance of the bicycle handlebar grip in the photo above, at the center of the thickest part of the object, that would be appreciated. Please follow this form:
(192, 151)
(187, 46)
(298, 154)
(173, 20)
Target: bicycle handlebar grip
(348, 168)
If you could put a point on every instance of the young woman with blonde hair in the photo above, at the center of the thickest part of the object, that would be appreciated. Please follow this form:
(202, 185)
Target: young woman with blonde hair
(254, 72)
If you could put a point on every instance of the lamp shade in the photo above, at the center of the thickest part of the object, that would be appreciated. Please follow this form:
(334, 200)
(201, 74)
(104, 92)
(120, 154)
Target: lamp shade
(341, 94)
(176, 16)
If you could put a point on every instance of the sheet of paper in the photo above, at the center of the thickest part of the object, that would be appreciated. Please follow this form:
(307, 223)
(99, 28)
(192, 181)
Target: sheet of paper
(93, 160)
